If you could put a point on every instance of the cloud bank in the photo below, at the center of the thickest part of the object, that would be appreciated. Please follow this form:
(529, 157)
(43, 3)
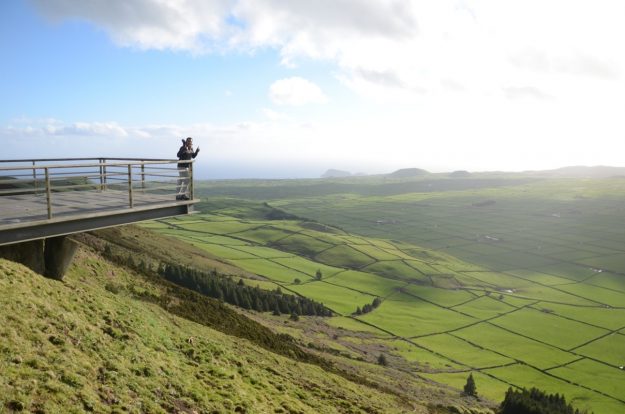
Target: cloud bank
(415, 46)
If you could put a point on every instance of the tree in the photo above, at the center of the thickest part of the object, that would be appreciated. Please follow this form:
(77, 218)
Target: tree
(535, 401)
(469, 387)
(297, 281)
(294, 316)
(318, 274)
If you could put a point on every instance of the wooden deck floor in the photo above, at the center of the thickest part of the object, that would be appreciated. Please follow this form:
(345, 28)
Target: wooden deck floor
(25, 216)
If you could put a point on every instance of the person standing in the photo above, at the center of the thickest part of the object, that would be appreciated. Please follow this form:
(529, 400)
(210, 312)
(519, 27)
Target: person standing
(185, 153)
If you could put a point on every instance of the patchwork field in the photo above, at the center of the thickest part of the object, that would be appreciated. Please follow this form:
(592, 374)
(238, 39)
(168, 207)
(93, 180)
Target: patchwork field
(521, 282)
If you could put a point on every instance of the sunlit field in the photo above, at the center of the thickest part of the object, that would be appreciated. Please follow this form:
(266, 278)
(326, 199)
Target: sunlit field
(521, 282)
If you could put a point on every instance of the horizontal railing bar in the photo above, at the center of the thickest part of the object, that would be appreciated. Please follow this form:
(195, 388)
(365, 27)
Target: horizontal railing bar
(120, 164)
(161, 175)
(117, 178)
(152, 182)
(160, 168)
(56, 159)
(135, 159)
(59, 173)
(146, 175)
(86, 159)
(166, 186)
(138, 169)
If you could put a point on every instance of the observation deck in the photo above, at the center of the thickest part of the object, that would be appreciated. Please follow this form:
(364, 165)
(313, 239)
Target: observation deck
(47, 198)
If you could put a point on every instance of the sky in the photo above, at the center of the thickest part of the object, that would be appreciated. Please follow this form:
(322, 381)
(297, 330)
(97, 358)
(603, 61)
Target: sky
(291, 88)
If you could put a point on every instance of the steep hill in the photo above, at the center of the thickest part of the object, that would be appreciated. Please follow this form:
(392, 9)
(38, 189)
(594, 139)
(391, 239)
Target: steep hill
(408, 172)
(582, 171)
(109, 339)
(333, 173)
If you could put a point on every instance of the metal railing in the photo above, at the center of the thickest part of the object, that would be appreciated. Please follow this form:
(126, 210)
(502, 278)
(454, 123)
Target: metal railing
(142, 181)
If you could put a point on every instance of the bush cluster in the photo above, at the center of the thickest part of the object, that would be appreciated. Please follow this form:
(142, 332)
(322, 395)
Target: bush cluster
(535, 401)
(368, 307)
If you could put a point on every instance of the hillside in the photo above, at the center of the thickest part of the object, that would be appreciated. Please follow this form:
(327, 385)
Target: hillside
(408, 172)
(518, 281)
(334, 173)
(108, 339)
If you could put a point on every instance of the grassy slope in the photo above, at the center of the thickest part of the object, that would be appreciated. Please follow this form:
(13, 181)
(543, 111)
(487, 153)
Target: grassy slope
(76, 345)
(107, 339)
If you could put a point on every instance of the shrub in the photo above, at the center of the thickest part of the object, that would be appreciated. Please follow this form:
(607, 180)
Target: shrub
(470, 388)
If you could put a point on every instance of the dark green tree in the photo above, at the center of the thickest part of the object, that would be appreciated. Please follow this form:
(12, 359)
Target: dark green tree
(469, 387)
(535, 401)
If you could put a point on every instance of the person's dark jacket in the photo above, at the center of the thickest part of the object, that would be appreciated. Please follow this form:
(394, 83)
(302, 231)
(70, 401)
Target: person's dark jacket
(186, 154)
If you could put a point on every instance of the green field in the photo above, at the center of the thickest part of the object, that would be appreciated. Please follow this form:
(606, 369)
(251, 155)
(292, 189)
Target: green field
(609, 349)
(518, 278)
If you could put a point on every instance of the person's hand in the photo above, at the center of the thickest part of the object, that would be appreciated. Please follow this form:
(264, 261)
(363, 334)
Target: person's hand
(183, 141)
(197, 150)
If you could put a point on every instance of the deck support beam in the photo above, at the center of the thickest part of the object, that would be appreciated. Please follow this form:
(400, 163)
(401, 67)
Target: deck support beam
(49, 257)
(58, 254)
(29, 253)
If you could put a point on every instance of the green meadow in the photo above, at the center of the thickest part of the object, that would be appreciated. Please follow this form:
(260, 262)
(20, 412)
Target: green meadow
(518, 279)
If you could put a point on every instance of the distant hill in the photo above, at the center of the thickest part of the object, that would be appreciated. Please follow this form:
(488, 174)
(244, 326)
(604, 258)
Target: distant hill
(408, 172)
(582, 171)
(332, 173)
(460, 173)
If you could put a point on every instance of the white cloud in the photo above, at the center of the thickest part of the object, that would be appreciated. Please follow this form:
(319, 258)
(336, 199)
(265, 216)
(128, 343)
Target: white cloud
(520, 92)
(150, 24)
(274, 115)
(53, 127)
(379, 45)
(295, 91)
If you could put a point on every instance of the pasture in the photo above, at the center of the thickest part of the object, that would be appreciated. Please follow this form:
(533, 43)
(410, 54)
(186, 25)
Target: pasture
(518, 280)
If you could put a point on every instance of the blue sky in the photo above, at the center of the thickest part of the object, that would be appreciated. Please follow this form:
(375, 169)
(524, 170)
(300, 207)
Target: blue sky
(269, 88)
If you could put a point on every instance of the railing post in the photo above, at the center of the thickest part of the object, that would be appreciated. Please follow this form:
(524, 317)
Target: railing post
(131, 201)
(142, 174)
(35, 177)
(101, 161)
(104, 172)
(48, 193)
(191, 180)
